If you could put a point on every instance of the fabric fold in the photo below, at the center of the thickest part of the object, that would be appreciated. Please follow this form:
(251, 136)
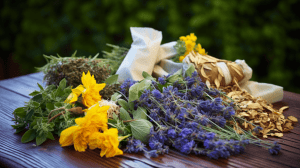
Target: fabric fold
(147, 54)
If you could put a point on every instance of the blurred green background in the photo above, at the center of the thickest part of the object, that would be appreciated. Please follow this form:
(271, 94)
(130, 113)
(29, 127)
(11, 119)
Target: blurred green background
(263, 33)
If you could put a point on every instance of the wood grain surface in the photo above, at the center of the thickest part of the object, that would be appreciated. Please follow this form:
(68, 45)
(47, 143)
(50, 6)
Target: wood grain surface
(14, 92)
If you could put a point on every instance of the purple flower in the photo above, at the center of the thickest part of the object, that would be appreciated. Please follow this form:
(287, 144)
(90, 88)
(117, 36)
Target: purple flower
(157, 94)
(256, 129)
(213, 154)
(275, 149)
(210, 135)
(187, 148)
(172, 133)
(185, 132)
(162, 80)
(154, 144)
(152, 153)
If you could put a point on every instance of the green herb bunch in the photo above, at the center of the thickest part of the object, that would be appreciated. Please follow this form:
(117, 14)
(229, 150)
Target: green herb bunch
(35, 117)
(71, 69)
(180, 48)
(131, 121)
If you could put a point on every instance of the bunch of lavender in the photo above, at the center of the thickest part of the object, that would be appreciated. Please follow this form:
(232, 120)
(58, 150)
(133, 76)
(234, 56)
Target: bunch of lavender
(191, 118)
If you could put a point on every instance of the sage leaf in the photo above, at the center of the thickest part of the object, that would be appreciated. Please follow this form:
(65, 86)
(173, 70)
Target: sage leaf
(148, 76)
(40, 86)
(29, 114)
(115, 117)
(140, 113)
(62, 84)
(112, 79)
(131, 105)
(34, 93)
(133, 92)
(40, 139)
(190, 70)
(123, 103)
(115, 97)
(28, 136)
(124, 115)
(140, 129)
(20, 112)
(50, 136)
(138, 87)
(50, 106)
(37, 98)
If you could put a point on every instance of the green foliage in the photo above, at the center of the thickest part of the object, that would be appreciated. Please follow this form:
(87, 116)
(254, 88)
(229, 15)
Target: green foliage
(263, 33)
(34, 115)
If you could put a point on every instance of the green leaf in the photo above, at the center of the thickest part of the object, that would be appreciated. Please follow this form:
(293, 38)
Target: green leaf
(176, 76)
(112, 121)
(123, 103)
(190, 70)
(58, 104)
(137, 87)
(28, 136)
(40, 139)
(19, 129)
(62, 84)
(50, 136)
(40, 86)
(112, 79)
(36, 104)
(133, 92)
(20, 112)
(115, 117)
(140, 129)
(140, 113)
(38, 98)
(50, 106)
(148, 76)
(131, 105)
(115, 97)
(34, 93)
(124, 115)
(29, 114)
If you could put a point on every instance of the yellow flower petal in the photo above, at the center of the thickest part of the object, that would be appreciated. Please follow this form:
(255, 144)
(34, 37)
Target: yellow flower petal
(80, 120)
(181, 58)
(66, 136)
(78, 90)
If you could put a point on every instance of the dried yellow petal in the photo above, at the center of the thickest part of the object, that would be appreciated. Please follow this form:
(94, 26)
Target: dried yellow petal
(293, 119)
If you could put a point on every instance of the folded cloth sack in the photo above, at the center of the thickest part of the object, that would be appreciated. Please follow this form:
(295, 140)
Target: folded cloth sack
(147, 54)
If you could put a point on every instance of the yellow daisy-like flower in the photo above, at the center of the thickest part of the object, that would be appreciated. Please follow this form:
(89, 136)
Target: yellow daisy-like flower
(95, 119)
(89, 91)
(192, 37)
(107, 141)
(200, 50)
(181, 58)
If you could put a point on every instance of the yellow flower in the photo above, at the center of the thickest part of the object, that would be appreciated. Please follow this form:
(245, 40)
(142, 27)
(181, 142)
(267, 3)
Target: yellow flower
(89, 91)
(183, 38)
(200, 50)
(107, 141)
(181, 58)
(192, 37)
(95, 119)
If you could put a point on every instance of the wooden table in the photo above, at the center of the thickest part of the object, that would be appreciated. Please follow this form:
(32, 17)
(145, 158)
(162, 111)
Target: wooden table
(14, 92)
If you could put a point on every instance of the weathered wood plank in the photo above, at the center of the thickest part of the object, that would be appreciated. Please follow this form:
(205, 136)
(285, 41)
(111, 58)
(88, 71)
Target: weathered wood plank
(15, 154)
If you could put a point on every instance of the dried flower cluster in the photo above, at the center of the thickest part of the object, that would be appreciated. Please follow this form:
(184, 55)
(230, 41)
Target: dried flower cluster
(72, 69)
(113, 108)
(257, 111)
(211, 73)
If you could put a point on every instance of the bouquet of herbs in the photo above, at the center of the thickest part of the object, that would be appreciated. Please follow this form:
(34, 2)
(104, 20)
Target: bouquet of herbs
(87, 107)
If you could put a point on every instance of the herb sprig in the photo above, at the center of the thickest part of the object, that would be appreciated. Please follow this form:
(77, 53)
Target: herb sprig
(34, 115)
